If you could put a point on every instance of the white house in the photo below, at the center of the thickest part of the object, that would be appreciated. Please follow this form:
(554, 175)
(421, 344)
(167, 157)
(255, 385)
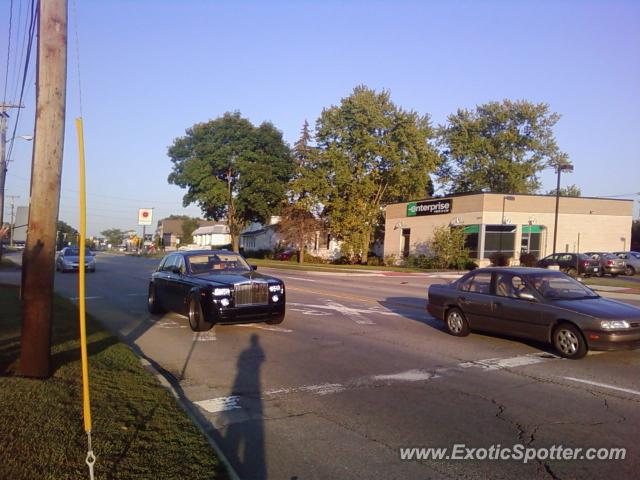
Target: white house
(213, 236)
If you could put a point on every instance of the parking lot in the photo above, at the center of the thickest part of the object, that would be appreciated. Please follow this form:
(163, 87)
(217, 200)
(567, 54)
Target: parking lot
(359, 370)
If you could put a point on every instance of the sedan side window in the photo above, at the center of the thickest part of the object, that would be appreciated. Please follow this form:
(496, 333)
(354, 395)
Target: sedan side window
(481, 283)
(511, 286)
(180, 265)
(465, 284)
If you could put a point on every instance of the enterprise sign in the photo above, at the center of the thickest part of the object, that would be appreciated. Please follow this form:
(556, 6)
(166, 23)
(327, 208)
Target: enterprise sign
(429, 207)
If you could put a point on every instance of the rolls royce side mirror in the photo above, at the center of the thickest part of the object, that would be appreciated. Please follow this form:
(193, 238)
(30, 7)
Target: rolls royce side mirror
(527, 296)
(254, 267)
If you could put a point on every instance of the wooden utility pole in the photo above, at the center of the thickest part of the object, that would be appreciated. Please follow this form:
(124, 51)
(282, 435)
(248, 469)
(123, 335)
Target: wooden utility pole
(38, 259)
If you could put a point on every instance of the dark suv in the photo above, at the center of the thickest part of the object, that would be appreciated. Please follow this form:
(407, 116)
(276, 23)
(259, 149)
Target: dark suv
(572, 264)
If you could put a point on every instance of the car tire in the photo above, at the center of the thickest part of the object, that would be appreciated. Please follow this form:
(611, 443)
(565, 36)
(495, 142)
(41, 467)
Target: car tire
(152, 300)
(456, 323)
(614, 275)
(569, 341)
(197, 321)
(600, 273)
(629, 271)
(276, 320)
(572, 272)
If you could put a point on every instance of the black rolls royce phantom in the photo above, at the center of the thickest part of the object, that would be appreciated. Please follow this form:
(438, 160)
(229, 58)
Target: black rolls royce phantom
(215, 286)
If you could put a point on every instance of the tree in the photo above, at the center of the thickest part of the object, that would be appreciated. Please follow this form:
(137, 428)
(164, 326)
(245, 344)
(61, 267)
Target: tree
(114, 236)
(498, 147)
(568, 191)
(232, 170)
(66, 234)
(372, 152)
(297, 228)
(447, 247)
(189, 225)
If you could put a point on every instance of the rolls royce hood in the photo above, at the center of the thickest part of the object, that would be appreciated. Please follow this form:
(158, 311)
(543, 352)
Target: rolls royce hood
(233, 278)
(601, 308)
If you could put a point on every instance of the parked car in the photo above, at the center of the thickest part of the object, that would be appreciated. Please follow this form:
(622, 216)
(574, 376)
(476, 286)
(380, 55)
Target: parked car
(536, 304)
(631, 260)
(68, 260)
(573, 264)
(215, 286)
(609, 263)
(285, 255)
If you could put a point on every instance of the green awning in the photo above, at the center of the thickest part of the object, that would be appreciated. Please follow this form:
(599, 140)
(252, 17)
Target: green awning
(472, 229)
(532, 228)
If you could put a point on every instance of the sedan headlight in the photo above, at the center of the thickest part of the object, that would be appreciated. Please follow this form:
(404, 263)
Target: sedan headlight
(221, 292)
(614, 324)
(275, 288)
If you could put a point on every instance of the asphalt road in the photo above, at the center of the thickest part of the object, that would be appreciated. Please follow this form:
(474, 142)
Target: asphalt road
(359, 370)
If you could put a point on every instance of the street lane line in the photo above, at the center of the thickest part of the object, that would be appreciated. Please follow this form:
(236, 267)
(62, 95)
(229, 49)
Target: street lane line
(360, 299)
(299, 278)
(321, 389)
(603, 385)
(221, 404)
(269, 328)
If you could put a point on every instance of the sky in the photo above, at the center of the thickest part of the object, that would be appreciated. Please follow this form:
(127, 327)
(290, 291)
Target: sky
(151, 69)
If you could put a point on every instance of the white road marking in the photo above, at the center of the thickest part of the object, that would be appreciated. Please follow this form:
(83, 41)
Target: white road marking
(220, 404)
(169, 324)
(408, 376)
(603, 385)
(208, 336)
(322, 389)
(75, 299)
(301, 279)
(136, 294)
(355, 314)
(310, 312)
(511, 362)
(269, 328)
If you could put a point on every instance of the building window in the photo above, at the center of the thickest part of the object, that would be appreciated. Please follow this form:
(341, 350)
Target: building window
(471, 237)
(406, 242)
(531, 239)
(499, 239)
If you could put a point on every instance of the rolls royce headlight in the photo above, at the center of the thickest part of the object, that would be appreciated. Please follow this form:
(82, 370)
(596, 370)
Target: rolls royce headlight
(275, 288)
(221, 292)
(614, 324)
(224, 302)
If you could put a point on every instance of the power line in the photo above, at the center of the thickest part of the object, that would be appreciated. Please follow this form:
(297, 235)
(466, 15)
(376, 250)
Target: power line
(33, 16)
(6, 72)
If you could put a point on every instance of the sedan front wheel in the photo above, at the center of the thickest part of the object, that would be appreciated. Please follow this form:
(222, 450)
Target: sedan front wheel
(457, 323)
(569, 341)
(152, 302)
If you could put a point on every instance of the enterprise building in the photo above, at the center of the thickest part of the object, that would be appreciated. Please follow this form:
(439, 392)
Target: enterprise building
(510, 224)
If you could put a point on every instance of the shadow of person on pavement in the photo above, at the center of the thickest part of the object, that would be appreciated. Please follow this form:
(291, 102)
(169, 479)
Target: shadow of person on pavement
(243, 440)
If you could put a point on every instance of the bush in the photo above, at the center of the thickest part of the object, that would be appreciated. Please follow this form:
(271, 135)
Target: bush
(528, 259)
(470, 265)
(375, 261)
(257, 253)
(500, 260)
(308, 258)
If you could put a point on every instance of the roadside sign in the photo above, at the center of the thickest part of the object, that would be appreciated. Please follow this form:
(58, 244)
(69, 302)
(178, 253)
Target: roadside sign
(145, 216)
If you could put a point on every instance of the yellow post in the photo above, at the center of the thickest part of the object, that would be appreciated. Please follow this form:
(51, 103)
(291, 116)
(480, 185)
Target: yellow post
(86, 405)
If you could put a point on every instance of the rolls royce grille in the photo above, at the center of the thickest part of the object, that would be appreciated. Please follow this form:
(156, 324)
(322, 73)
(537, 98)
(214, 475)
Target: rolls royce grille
(254, 293)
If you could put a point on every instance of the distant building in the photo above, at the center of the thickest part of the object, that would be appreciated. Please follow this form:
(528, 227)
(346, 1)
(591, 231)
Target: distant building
(20, 225)
(169, 230)
(214, 236)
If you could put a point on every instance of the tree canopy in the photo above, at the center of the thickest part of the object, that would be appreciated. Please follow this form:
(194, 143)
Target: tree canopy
(371, 152)
(568, 191)
(114, 236)
(232, 170)
(498, 147)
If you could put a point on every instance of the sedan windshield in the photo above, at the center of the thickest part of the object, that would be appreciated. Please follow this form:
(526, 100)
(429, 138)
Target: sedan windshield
(556, 286)
(217, 263)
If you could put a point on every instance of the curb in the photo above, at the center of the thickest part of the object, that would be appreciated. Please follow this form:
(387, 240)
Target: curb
(167, 381)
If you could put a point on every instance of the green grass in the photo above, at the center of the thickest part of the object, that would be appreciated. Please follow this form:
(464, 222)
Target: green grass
(611, 282)
(139, 431)
(323, 267)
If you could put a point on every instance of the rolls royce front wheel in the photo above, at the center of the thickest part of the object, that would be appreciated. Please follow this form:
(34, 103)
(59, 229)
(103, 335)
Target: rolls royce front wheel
(276, 320)
(197, 322)
(152, 300)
